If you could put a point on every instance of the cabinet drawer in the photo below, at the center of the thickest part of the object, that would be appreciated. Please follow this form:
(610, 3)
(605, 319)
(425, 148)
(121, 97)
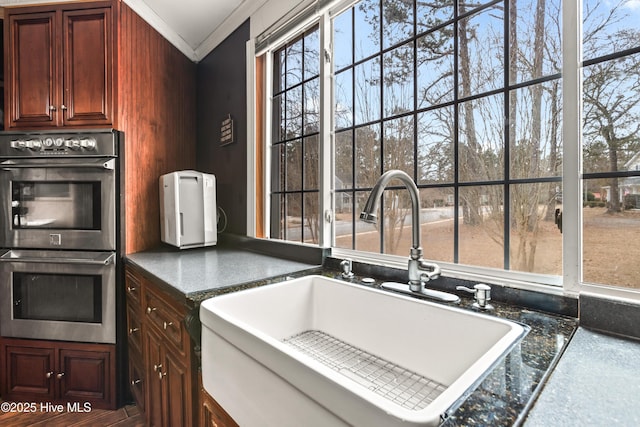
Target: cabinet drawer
(134, 330)
(166, 320)
(133, 289)
(137, 382)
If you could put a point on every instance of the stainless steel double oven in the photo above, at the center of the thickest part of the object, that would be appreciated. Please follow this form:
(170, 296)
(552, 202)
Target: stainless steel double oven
(59, 230)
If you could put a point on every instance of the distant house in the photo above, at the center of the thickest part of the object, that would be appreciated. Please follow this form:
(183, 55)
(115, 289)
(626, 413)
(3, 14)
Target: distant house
(634, 163)
(629, 188)
(344, 201)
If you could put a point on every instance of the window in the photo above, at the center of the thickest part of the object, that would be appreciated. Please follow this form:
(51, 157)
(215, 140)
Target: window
(611, 142)
(468, 99)
(431, 99)
(294, 152)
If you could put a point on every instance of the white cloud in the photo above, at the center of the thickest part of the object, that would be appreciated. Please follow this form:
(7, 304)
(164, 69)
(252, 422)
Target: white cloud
(633, 4)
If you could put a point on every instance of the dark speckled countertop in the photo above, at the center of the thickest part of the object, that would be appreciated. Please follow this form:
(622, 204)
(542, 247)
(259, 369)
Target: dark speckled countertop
(505, 395)
(198, 274)
(502, 398)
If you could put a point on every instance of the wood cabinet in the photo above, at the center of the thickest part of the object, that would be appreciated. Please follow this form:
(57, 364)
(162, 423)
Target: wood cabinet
(59, 66)
(55, 371)
(161, 360)
(211, 413)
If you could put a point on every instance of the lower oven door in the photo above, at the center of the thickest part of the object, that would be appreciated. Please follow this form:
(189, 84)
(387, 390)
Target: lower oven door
(58, 295)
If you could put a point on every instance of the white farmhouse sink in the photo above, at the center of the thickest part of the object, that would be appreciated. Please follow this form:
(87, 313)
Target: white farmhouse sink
(316, 351)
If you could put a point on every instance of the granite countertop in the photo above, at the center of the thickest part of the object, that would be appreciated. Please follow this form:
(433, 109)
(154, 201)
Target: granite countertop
(198, 274)
(505, 395)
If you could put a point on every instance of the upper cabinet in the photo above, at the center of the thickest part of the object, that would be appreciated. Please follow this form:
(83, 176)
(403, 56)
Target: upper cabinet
(59, 69)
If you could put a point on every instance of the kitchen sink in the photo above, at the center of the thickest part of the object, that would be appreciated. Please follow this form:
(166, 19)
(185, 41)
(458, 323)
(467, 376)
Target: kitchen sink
(321, 351)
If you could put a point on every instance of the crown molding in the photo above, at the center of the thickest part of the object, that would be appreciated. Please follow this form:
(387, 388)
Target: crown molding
(243, 12)
(152, 18)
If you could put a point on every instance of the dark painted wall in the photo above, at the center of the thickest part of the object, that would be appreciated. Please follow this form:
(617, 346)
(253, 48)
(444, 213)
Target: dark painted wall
(222, 90)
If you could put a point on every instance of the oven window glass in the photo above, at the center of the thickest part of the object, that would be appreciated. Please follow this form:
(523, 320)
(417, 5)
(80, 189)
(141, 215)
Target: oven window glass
(66, 298)
(56, 205)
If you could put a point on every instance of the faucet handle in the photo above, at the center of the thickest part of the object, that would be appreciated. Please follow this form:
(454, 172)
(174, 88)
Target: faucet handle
(345, 265)
(481, 293)
(428, 270)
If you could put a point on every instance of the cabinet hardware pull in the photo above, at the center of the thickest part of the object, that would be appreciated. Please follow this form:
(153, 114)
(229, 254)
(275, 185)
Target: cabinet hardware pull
(136, 382)
(156, 367)
(52, 108)
(63, 107)
(49, 374)
(60, 375)
(165, 325)
(132, 330)
(161, 375)
(151, 310)
(131, 289)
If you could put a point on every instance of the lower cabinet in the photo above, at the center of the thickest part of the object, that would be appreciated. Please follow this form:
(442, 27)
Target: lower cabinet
(162, 368)
(54, 371)
(211, 413)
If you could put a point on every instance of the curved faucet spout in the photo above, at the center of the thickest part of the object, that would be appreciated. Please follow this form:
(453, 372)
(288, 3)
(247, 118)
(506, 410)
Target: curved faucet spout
(371, 207)
(419, 270)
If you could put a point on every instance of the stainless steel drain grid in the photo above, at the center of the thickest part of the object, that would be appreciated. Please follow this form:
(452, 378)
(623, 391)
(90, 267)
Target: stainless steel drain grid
(393, 382)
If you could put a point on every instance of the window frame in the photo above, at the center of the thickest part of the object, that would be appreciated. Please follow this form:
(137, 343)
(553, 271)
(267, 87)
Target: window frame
(570, 283)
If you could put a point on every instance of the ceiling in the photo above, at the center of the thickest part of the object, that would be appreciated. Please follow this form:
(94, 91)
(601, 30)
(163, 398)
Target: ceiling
(193, 26)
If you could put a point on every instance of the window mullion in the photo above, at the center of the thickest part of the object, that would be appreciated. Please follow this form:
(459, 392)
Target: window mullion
(572, 145)
(326, 141)
(268, 132)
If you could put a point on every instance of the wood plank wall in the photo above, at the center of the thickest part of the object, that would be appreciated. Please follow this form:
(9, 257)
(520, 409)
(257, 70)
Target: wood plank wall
(157, 112)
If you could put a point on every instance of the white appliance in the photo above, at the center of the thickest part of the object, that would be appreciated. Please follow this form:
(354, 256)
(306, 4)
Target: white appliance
(188, 209)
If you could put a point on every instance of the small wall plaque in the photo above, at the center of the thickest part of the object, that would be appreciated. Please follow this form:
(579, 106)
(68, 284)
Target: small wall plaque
(226, 131)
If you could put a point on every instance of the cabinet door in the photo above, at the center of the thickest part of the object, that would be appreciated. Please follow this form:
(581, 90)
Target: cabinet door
(32, 71)
(177, 391)
(84, 376)
(30, 373)
(87, 67)
(154, 360)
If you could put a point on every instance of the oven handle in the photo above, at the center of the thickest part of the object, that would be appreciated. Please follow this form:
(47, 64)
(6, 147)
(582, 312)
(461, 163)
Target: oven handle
(107, 261)
(100, 164)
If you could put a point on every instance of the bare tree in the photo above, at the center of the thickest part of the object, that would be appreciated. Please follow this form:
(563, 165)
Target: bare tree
(611, 100)
(612, 111)
(531, 202)
(481, 152)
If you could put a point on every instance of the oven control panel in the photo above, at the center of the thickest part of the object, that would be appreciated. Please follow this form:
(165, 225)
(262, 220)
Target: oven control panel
(49, 143)
(45, 144)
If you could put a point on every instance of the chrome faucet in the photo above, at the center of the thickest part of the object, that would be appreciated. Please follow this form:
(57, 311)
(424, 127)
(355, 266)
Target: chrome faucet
(420, 271)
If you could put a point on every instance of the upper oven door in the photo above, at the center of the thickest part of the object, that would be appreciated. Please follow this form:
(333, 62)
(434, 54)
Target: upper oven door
(58, 203)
